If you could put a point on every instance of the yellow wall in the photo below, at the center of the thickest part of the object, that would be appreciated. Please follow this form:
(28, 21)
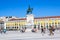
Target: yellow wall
(9, 24)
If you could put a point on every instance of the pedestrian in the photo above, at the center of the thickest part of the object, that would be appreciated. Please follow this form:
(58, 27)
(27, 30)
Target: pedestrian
(33, 30)
(51, 30)
(38, 27)
(1, 31)
(22, 30)
(47, 26)
(25, 28)
(4, 30)
(42, 30)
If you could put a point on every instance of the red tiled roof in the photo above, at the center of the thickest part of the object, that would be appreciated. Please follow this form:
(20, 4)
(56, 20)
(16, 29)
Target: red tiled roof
(17, 19)
(36, 18)
(47, 17)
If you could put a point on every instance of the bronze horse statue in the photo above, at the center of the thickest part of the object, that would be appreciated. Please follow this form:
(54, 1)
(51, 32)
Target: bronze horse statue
(29, 10)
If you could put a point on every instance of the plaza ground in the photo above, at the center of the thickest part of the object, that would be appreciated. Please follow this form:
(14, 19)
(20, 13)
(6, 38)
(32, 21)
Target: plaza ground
(17, 35)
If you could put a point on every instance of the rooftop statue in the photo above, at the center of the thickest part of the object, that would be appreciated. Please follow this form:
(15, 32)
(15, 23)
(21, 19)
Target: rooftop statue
(29, 10)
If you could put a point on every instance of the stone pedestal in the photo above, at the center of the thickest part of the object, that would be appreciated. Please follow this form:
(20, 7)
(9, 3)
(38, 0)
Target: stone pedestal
(30, 21)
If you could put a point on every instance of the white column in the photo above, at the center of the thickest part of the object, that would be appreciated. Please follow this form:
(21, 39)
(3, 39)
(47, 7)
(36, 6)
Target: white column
(45, 24)
(48, 24)
(54, 23)
(36, 26)
(57, 24)
(51, 24)
(40, 25)
(4, 25)
(18, 26)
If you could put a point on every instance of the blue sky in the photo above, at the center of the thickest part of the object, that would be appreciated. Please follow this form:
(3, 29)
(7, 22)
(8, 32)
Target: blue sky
(40, 7)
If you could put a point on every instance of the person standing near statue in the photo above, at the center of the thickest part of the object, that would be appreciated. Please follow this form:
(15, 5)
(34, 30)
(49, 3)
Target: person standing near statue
(34, 29)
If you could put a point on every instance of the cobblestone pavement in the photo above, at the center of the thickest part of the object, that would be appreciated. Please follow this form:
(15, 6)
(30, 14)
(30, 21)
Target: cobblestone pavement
(17, 35)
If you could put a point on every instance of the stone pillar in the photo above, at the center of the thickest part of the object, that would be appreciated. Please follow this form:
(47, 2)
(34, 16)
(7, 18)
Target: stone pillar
(54, 23)
(48, 24)
(51, 24)
(4, 25)
(57, 24)
(30, 19)
(45, 24)
(40, 25)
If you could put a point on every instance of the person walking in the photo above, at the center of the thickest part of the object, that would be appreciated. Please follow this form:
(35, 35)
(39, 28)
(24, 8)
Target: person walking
(51, 30)
(1, 31)
(42, 30)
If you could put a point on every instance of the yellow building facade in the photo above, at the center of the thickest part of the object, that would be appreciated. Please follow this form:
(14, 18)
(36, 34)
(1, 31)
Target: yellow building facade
(16, 24)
